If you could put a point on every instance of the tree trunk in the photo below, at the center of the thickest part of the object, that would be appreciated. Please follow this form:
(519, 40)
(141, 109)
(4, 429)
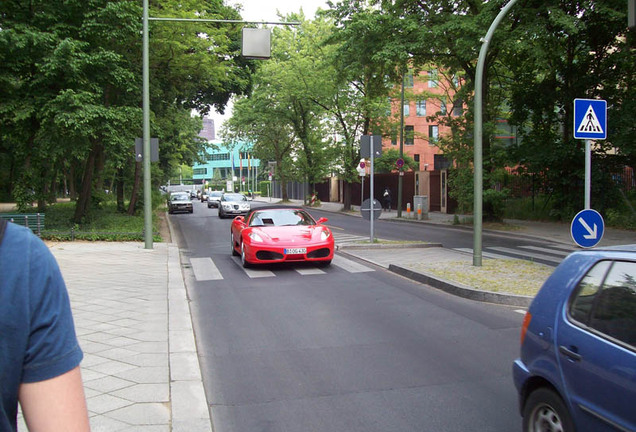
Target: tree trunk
(84, 199)
(135, 192)
(70, 183)
(346, 192)
(119, 186)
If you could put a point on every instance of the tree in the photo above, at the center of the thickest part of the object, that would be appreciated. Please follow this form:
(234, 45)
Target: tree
(387, 162)
(367, 56)
(70, 71)
(567, 50)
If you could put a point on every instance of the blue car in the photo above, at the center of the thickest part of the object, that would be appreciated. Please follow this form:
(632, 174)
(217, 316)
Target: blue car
(577, 366)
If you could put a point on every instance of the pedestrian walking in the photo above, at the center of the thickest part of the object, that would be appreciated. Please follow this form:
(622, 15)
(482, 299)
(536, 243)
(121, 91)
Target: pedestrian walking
(386, 196)
(39, 351)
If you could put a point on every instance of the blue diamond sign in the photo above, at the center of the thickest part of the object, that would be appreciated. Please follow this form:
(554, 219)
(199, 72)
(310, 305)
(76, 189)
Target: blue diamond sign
(590, 119)
(587, 228)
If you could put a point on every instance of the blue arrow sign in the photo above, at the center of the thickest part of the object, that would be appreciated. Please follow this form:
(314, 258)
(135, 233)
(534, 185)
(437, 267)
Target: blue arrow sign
(587, 228)
(590, 119)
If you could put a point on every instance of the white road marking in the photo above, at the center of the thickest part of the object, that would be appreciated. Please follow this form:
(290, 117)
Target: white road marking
(350, 265)
(484, 254)
(550, 251)
(527, 254)
(309, 271)
(254, 272)
(204, 269)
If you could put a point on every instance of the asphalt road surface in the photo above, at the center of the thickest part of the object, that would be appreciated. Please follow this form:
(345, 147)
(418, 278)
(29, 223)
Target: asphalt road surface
(346, 348)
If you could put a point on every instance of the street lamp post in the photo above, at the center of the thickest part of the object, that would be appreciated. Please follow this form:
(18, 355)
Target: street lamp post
(478, 130)
(146, 107)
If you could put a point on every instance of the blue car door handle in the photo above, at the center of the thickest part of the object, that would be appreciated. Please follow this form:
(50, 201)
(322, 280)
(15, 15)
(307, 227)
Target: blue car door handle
(570, 353)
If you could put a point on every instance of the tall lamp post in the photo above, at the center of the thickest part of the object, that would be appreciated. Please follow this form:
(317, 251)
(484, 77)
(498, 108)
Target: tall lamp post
(146, 106)
(478, 130)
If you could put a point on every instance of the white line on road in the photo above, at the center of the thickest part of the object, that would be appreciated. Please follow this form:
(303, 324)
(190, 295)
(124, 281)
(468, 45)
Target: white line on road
(204, 269)
(350, 265)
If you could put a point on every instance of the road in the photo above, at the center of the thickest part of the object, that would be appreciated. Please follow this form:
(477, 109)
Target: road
(348, 348)
(494, 245)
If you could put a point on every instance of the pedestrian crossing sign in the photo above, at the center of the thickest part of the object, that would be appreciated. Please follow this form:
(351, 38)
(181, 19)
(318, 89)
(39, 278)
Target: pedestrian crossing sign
(590, 119)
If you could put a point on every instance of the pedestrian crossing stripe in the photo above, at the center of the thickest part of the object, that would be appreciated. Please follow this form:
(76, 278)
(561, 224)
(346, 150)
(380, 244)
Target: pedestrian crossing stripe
(204, 268)
(590, 123)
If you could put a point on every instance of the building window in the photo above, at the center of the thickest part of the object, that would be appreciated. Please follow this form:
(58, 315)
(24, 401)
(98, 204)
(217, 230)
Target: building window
(219, 157)
(409, 135)
(433, 134)
(420, 107)
(458, 108)
(433, 78)
(394, 138)
(200, 171)
(442, 107)
(407, 109)
(416, 158)
(408, 80)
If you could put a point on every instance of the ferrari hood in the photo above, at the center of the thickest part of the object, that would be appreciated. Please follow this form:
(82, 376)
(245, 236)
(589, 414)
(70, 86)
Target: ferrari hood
(289, 234)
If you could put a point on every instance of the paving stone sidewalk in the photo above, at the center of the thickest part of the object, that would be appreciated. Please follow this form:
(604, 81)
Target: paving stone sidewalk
(140, 367)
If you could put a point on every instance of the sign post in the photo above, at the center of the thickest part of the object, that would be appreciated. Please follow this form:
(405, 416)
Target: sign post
(590, 122)
(371, 146)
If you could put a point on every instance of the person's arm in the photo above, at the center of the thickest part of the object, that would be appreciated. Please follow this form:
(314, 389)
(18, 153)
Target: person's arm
(56, 404)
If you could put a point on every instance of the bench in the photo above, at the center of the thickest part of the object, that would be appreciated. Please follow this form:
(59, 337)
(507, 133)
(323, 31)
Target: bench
(33, 221)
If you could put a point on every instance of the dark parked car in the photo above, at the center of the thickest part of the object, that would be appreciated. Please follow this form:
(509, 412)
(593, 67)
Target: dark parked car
(180, 202)
(577, 368)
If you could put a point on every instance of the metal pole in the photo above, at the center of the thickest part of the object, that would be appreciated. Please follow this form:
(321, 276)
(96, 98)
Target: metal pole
(371, 235)
(399, 197)
(146, 107)
(588, 173)
(478, 157)
(362, 191)
(146, 132)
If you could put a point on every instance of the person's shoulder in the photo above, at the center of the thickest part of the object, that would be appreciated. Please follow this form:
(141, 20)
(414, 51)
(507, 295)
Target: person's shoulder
(20, 240)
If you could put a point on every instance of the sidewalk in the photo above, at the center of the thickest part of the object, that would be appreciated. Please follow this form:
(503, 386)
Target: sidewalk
(141, 369)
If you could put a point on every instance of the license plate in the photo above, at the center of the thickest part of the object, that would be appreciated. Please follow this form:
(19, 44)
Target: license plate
(295, 251)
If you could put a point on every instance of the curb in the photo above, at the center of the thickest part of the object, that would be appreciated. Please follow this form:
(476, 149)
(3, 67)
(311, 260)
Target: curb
(188, 401)
(453, 288)
(388, 246)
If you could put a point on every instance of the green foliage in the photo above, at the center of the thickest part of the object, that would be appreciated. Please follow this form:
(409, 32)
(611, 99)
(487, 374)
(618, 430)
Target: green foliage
(386, 163)
(71, 85)
(106, 224)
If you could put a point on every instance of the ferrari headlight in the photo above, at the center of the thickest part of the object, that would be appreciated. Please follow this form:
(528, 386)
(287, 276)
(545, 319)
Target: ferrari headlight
(324, 235)
(255, 237)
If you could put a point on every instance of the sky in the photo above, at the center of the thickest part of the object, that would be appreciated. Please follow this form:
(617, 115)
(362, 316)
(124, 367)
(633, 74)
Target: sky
(266, 10)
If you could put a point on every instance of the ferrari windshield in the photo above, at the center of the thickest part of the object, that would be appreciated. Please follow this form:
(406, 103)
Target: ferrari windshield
(281, 217)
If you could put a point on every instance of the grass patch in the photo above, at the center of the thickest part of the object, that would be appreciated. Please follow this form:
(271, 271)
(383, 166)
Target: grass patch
(496, 275)
(104, 224)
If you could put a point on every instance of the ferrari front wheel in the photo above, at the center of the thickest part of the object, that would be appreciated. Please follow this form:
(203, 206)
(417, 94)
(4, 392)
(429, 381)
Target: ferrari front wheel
(243, 259)
(234, 252)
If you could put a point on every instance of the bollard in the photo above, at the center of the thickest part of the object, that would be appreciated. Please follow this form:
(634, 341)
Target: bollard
(408, 210)
(419, 212)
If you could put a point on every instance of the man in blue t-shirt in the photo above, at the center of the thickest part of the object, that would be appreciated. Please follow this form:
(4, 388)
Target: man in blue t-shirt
(39, 353)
